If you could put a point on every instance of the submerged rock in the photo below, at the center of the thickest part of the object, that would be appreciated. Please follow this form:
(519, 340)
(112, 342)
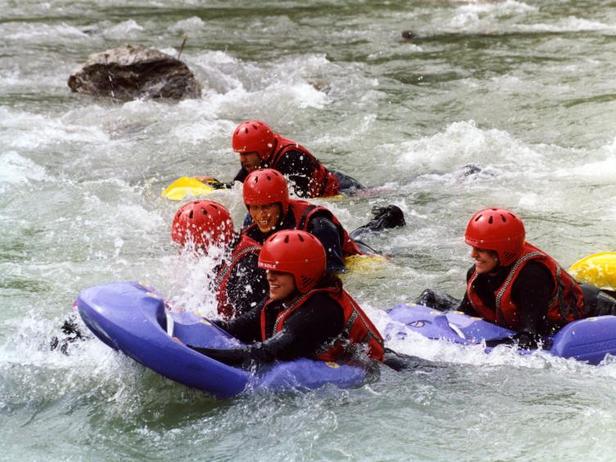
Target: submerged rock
(408, 35)
(471, 169)
(132, 72)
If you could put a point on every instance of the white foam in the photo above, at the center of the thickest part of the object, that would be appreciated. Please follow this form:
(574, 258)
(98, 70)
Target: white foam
(124, 30)
(464, 143)
(570, 24)
(18, 169)
(192, 24)
(17, 130)
(485, 16)
(191, 284)
(499, 8)
(33, 33)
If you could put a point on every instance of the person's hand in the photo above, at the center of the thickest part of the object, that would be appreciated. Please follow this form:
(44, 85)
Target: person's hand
(233, 356)
(525, 340)
(213, 182)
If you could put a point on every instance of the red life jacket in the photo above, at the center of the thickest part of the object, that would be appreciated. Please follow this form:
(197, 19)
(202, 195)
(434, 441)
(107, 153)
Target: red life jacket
(566, 304)
(244, 247)
(304, 211)
(358, 329)
(323, 182)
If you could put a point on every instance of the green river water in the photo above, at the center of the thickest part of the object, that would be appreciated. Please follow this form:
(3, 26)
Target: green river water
(521, 89)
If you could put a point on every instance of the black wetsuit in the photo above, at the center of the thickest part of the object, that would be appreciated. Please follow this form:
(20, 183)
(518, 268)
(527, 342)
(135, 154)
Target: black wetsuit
(319, 320)
(531, 293)
(299, 169)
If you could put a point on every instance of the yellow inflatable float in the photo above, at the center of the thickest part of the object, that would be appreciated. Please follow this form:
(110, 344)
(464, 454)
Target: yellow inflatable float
(598, 269)
(364, 263)
(186, 186)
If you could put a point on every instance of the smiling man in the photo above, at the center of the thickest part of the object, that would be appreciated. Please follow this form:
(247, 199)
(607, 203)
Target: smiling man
(266, 196)
(259, 147)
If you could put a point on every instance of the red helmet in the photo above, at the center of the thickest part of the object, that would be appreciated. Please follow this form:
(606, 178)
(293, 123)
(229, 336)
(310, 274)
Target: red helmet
(499, 230)
(296, 252)
(253, 136)
(204, 223)
(266, 186)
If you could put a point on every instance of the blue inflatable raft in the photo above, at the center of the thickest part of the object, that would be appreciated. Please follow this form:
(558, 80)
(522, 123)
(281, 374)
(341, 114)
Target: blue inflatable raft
(133, 319)
(588, 340)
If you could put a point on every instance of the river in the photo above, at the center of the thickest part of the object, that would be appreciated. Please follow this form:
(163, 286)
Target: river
(522, 90)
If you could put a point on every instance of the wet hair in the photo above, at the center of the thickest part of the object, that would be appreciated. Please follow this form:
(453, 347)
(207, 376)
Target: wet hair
(329, 280)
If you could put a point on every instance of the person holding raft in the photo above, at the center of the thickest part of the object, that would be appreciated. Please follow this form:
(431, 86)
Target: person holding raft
(266, 196)
(259, 147)
(307, 313)
(518, 286)
(239, 283)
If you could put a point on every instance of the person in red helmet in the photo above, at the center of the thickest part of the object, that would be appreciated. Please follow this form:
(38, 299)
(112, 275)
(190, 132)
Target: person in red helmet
(240, 285)
(517, 285)
(513, 283)
(266, 197)
(259, 147)
(307, 313)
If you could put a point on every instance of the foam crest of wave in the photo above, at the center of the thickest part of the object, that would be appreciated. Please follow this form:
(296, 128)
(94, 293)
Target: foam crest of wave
(464, 143)
(129, 29)
(16, 130)
(483, 16)
(18, 169)
(192, 24)
(497, 8)
(570, 24)
(37, 33)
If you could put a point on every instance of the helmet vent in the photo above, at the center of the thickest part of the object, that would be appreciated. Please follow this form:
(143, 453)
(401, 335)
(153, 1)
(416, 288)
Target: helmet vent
(203, 212)
(286, 239)
(491, 220)
(190, 215)
(301, 238)
(504, 218)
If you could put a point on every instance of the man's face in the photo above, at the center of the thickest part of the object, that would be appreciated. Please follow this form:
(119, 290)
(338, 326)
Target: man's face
(266, 216)
(250, 161)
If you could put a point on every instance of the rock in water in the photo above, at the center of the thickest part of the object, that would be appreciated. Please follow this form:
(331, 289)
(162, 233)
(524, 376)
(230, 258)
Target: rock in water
(132, 72)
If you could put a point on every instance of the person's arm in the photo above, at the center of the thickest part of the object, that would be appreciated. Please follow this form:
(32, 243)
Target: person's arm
(214, 183)
(531, 293)
(465, 305)
(327, 233)
(245, 327)
(299, 169)
(318, 321)
(241, 175)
